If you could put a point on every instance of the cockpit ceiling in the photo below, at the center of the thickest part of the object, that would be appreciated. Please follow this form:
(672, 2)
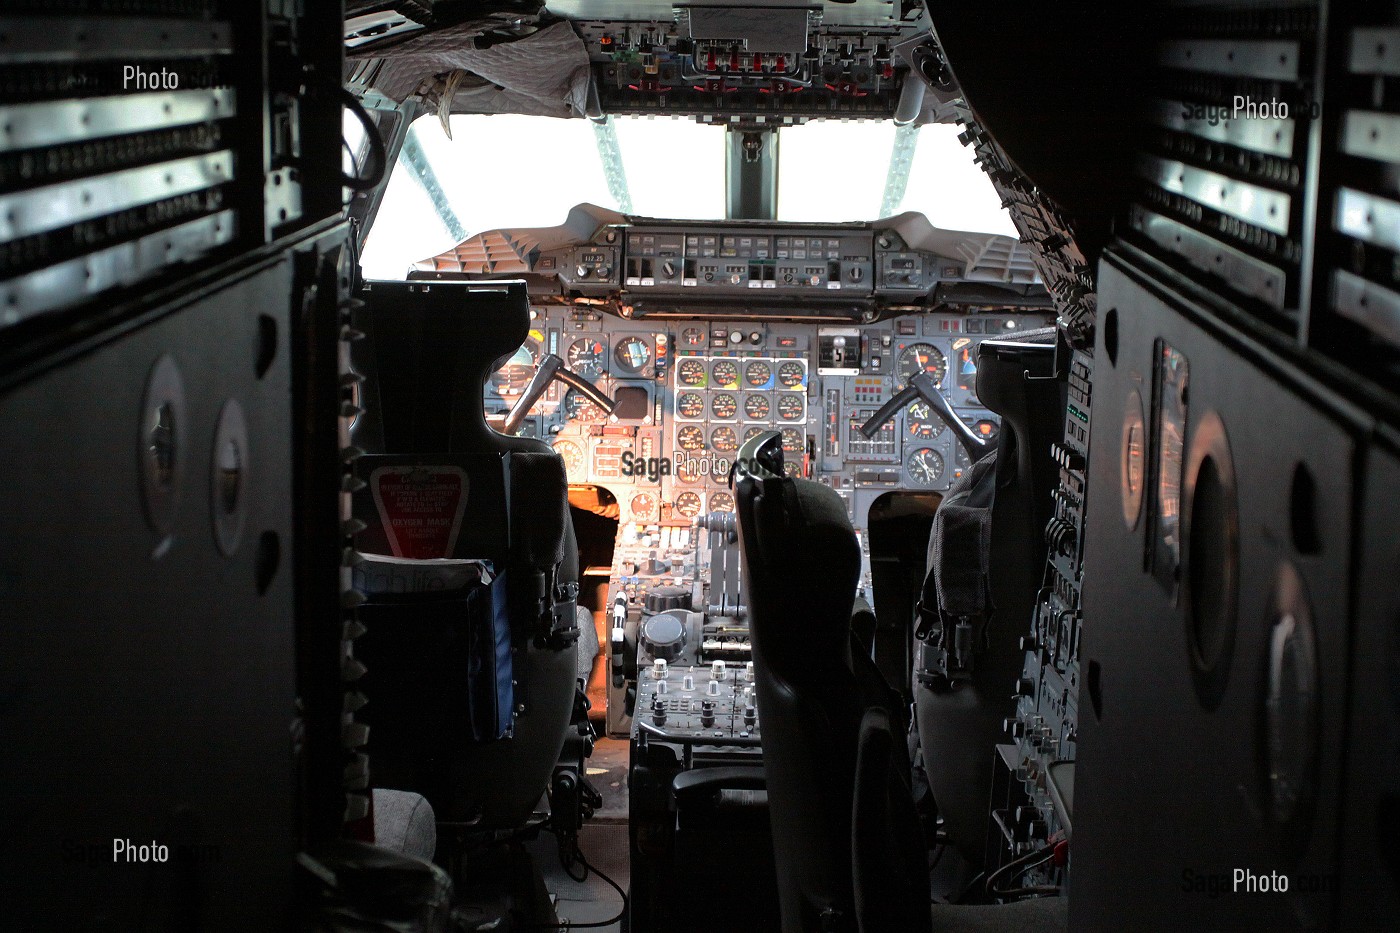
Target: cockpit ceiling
(873, 13)
(752, 62)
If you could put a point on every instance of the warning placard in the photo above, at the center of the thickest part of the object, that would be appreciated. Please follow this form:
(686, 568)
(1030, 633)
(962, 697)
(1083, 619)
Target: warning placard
(420, 508)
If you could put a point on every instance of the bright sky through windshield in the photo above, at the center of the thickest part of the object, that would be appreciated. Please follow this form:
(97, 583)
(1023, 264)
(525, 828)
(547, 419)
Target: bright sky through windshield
(832, 171)
(509, 170)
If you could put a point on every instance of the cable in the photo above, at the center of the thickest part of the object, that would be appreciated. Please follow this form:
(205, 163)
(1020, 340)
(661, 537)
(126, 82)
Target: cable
(1037, 856)
(354, 160)
(376, 145)
(1037, 889)
(569, 855)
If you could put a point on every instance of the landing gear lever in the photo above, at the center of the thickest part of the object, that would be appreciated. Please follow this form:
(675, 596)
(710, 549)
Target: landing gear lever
(923, 386)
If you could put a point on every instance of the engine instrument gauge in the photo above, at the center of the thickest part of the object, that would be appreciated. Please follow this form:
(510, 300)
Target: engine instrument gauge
(724, 440)
(690, 405)
(758, 374)
(688, 504)
(579, 407)
(792, 468)
(721, 502)
(925, 466)
(687, 470)
(725, 373)
(790, 407)
(753, 432)
(724, 405)
(644, 507)
(921, 422)
(961, 461)
(691, 372)
(792, 440)
(756, 407)
(588, 356)
(573, 458)
(921, 357)
(690, 437)
(792, 374)
(632, 353)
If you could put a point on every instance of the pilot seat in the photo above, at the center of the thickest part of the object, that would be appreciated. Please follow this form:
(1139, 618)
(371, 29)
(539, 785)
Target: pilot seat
(850, 856)
(468, 566)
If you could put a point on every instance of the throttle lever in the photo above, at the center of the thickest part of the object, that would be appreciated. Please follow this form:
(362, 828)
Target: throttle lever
(922, 385)
(551, 367)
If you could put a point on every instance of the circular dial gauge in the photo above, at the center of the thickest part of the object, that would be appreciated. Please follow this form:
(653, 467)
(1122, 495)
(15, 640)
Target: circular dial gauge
(691, 373)
(1133, 468)
(925, 466)
(1291, 720)
(921, 421)
(792, 468)
(579, 407)
(792, 374)
(573, 457)
(690, 405)
(756, 407)
(724, 440)
(690, 437)
(724, 405)
(687, 471)
(921, 357)
(693, 337)
(753, 432)
(632, 353)
(644, 507)
(961, 461)
(790, 407)
(726, 374)
(688, 504)
(758, 373)
(588, 356)
(515, 373)
(721, 502)
(792, 440)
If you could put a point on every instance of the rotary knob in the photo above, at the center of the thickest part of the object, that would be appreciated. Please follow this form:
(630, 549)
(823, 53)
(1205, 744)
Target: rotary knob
(668, 269)
(665, 598)
(664, 636)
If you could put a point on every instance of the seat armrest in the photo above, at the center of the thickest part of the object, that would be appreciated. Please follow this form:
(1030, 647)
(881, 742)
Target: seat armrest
(687, 786)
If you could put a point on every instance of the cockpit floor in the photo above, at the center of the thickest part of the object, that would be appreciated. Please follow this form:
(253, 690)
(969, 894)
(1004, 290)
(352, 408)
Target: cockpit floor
(605, 846)
(607, 772)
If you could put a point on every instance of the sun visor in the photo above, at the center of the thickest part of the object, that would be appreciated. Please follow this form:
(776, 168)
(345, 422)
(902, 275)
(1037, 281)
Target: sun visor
(544, 73)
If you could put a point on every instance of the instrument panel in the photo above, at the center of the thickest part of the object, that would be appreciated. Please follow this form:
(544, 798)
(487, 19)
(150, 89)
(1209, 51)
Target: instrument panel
(690, 393)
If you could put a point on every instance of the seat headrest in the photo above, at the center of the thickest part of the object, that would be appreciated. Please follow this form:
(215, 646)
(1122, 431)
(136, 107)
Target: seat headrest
(428, 349)
(480, 322)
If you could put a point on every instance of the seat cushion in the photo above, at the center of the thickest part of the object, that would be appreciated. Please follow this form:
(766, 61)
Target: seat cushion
(404, 823)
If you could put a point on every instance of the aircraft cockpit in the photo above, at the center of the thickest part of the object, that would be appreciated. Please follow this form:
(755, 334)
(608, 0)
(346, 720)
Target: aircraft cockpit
(849, 466)
(756, 267)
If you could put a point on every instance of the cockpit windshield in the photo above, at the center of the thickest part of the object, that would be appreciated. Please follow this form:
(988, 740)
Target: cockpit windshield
(828, 171)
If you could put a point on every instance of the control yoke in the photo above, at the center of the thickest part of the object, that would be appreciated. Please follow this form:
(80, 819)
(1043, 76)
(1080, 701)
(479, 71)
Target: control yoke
(923, 386)
(551, 367)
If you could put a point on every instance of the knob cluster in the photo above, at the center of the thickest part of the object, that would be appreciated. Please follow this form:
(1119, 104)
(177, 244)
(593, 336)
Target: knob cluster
(664, 635)
(665, 598)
